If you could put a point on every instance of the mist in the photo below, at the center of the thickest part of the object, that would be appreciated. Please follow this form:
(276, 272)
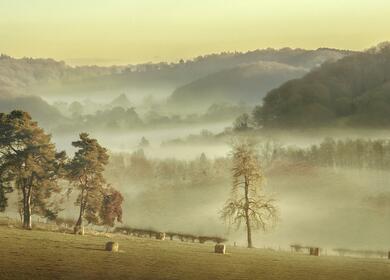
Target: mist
(168, 128)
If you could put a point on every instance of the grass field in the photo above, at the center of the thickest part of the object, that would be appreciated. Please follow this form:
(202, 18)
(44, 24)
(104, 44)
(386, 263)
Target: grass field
(50, 255)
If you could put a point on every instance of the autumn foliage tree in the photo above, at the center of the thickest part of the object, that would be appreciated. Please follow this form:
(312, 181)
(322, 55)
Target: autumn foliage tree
(98, 202)
(29, 163)
(248, 204)
(111, 210)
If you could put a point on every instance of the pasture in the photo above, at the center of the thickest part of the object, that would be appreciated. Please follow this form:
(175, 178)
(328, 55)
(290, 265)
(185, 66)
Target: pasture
(52, 255)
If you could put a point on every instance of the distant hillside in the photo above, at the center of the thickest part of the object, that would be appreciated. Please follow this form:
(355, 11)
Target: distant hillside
(41, 111)
(251, 75)
(354, 91)
(245, 83)
(52, 78)
(21, 76)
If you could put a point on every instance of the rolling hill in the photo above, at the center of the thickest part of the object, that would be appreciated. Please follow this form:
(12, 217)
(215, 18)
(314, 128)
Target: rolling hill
(47, 77)
(40, 110)
(251, 77)
(245, 83)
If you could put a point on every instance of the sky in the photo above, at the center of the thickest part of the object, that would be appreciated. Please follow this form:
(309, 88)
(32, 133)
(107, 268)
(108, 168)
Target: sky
(108, 32)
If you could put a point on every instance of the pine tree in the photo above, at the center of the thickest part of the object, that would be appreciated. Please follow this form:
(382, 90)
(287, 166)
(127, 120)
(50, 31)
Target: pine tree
(30, 162)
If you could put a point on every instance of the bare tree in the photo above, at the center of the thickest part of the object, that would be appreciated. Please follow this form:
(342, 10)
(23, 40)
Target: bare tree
(247, 203)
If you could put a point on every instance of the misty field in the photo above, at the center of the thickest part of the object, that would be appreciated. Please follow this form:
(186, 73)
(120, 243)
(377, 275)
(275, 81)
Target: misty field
(47, 255)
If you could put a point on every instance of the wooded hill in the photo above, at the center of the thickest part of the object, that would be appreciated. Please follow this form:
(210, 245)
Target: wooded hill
(50, 77)
(353, 91)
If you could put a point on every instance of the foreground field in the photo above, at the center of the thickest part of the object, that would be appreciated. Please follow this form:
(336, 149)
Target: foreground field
(48, 255)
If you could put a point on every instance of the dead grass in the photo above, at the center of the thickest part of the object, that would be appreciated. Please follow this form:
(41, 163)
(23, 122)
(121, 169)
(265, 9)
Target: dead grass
(50, 255)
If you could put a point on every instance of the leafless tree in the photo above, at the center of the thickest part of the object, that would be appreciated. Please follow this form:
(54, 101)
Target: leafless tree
(247, 202)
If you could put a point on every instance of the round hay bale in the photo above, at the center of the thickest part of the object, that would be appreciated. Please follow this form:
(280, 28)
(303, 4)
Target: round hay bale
(314, 251)
(220, 249)
(112, 246)
(160, 236)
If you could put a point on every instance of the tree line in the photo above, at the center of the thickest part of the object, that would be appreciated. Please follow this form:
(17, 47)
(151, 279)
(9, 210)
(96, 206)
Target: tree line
(31, 165)
(352, 153)
(153, 173)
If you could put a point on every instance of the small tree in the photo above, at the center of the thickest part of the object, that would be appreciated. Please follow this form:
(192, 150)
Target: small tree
(111, 210)
(30, 163)
(144, 143)
(242, 123)
(247, 204)
(85, 172)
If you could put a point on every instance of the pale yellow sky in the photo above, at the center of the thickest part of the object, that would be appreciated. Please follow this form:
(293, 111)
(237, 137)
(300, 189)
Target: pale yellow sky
(128, 31)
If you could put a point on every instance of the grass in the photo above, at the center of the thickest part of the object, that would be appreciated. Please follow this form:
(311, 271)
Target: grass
(49, 255)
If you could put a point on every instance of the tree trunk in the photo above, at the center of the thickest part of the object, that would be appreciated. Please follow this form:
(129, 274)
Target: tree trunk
(21, 213)
(79, 223)
(78, 228)
(247, 218)
(27, 223)
(249, 234)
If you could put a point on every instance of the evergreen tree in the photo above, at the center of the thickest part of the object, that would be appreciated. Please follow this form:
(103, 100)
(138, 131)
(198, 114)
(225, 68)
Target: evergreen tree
(30, 163)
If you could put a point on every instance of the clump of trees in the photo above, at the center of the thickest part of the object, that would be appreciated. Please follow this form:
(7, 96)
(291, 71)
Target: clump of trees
(248, 204)
(31, 165)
